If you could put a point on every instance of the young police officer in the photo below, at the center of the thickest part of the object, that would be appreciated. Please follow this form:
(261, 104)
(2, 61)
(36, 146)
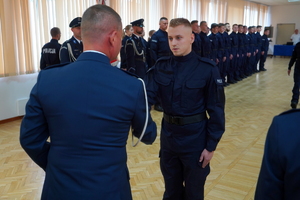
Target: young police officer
(189, 87)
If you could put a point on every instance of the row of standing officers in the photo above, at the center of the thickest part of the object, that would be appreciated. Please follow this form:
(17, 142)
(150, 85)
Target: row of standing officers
(236, 55)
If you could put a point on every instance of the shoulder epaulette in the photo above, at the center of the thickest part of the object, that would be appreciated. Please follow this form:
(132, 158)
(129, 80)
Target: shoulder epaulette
(290, 111)
(57, 65)
(129, 73)
(207, 60)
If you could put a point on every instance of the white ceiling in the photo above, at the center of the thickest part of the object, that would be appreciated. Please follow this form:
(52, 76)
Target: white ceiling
(275, 2)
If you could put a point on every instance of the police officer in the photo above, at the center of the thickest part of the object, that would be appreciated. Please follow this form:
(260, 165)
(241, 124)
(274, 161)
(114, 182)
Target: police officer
(72, 48)
(50, 51)
(222, 51)
(241, 51)
(197, 42)
(136, 51)
(205, 42)
(214, 41)
(188, 87)
(264, 50)
(247, 71)
(295, 58)
(252, 49)
(233, 73)
(227, 26)
(259, 43)
(127, 31)
(159, 45)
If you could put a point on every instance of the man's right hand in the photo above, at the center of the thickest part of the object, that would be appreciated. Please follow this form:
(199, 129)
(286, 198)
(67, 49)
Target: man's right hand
(289, 72)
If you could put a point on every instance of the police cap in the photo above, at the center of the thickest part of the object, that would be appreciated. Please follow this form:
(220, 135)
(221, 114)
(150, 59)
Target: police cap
(213, 25)
(138, 22)
(75, 22)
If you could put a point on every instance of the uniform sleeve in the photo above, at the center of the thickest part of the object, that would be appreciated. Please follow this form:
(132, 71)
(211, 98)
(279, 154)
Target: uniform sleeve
(64, 53)
(263, 44)
(42, 61)
(130, 56)
(154, 47)
(151, 87)
(215, 103)
(34, 131)
(270, 183)
(294, 57)
(139, 118)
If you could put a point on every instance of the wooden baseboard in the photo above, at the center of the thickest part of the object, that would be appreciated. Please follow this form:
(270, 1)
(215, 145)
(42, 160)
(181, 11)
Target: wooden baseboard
(11, 119)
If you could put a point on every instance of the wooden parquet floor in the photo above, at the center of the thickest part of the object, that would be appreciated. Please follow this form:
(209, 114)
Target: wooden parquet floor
(250, 107)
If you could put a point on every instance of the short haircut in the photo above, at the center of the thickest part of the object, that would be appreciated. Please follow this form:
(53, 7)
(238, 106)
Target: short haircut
(259, 26)
(244, 26)
(202, 22)
(227, 24)
(54, 31)
(163, 18)
(194, 22)
(220, 24)
(180, 21)
(99, 20)
(240, 25)
(234, 25)
(266, 30)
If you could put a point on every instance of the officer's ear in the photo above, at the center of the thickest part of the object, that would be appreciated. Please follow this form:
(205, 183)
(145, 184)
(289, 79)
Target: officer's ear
(192, 38)
(113, 38)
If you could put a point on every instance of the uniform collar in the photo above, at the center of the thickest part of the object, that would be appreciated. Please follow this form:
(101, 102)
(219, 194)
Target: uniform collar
(79, 41)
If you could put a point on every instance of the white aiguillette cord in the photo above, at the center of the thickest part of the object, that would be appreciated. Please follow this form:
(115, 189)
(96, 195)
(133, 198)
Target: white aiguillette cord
(147, 114)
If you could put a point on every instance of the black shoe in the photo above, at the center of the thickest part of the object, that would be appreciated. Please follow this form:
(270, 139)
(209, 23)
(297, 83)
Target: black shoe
(263, 69)
(157, 107)
(294, 105)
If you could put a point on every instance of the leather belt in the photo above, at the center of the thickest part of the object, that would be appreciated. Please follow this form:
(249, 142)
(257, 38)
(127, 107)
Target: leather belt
(178, 120)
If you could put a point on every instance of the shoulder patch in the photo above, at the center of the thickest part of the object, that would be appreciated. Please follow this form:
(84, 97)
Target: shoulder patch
(290, 111)
(57, 65)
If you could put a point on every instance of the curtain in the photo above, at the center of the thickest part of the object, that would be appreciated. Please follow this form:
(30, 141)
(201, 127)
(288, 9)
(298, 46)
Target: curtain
(256, 14)
(25, 27)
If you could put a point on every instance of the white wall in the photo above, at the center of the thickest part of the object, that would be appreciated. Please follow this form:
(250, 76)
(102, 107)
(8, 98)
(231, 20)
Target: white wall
(284, 14)
(14, 93)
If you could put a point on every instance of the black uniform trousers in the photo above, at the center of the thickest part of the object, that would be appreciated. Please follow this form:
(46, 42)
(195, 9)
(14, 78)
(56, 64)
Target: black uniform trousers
(262, 61)
(295, 97)
(183, 173)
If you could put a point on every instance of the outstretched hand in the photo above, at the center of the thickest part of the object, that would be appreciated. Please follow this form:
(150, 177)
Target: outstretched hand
(206, 156)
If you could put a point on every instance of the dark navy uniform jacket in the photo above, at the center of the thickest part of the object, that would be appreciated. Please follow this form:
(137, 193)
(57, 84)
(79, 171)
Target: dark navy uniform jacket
(50, 54)
(251, 43)
(279, 176)
(196, 46)
(136, 56)
(205, 45)
(234, 42)
(227, 43)
(214, 45)
(264, 44)
(246, 43)
(221, 44)
(258, 40)
(186, 86)
(159, 45)
(254, 41)
(68, 54)
(123, 53)
(241, 45)
(295, 58)
(86, 158)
